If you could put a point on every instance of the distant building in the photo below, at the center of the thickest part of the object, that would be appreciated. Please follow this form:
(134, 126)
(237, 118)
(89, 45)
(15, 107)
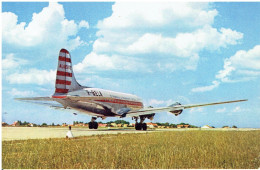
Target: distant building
(80, 124)
(31, 125)
(161, 126)
(226, 127)
(16, 123)
(119, 125)
(64, 124)
(152, 125)
(186, 126)
(132, 124)
(113, 124)
(102, 125)
(125, 125)
(206, 126)
(180, 126)
(4, 124)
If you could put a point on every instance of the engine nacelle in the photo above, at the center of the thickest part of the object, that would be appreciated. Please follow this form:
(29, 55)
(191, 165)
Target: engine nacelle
(176, 112)
(123, 111)
(150, 116)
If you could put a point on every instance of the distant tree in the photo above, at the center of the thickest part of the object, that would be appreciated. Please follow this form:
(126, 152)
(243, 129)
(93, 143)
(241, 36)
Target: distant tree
(53, 124)
(121, 122)
(109, 123)
(193, 126)
(234, 126)
(173, 125)
(44, 125)
(224, 126)
(159, 124)
(213, 126)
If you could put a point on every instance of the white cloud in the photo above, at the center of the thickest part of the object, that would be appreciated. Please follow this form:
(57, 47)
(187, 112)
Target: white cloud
(15, 92)
(131, 15)
(172, 34)
(214, 85)
(221, 110)
(47, 29)
(97, 81)
(154, 102)
(242, 66)
(105, 62)
(33, 76)
(237, 109)
(196, 109)
(11, 62)
(184, 44)
(84, 24)
(159, 103)
(163, 103)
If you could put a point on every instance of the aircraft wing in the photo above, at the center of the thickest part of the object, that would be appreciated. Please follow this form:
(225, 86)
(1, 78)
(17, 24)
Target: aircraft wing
(147, 111)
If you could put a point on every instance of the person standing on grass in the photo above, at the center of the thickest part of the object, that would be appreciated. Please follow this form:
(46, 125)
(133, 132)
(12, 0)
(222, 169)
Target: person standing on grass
(69, 133)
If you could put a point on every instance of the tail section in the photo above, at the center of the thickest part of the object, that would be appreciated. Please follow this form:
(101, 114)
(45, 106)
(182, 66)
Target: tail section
(65, 80)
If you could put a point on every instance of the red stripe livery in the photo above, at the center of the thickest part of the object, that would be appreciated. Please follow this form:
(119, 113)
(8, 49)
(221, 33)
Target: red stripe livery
(62, 73)
(64, 51)
(61, 90)
(64, 59)
(63, 82)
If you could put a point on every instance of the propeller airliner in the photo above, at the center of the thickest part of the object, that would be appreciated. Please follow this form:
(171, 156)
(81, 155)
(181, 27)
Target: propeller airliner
(100, 103)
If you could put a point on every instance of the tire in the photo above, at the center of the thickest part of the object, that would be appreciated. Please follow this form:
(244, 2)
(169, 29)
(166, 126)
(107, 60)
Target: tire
(95, 125)
(90, 125)
(144, 126)
(138, 126)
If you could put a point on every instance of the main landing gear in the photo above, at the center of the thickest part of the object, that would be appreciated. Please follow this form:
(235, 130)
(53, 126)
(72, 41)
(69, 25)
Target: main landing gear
(92, 124)
(141, 125)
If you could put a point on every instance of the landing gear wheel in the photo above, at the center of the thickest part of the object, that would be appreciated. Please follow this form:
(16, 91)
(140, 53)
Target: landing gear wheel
(90, 125)
(144, 126)
(95, 125)
(138, 126)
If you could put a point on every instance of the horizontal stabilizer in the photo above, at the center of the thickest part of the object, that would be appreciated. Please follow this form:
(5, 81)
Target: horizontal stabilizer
(45, 101)
(37, 98)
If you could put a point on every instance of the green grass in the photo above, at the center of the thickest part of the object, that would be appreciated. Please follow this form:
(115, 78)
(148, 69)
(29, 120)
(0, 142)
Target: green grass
(185, 149)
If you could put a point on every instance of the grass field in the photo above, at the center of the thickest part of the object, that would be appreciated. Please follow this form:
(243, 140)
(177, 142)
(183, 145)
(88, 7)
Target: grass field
(175, 149)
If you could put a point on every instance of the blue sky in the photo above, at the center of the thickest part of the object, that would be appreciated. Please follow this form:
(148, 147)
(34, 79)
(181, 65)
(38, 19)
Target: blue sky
(162, 52)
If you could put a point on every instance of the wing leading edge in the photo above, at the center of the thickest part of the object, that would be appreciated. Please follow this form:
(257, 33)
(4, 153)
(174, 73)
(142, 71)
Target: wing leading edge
(147, 111)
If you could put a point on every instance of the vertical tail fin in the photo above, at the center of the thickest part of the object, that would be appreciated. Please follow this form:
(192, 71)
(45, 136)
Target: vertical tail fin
(65, 80)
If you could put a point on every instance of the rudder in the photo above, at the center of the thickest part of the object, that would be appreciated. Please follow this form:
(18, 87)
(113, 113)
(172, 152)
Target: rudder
(65, 80)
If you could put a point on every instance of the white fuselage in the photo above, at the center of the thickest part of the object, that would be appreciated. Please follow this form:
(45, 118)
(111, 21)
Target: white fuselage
(102, 102)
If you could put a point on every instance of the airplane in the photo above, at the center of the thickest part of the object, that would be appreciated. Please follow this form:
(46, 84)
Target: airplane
(100, 103)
